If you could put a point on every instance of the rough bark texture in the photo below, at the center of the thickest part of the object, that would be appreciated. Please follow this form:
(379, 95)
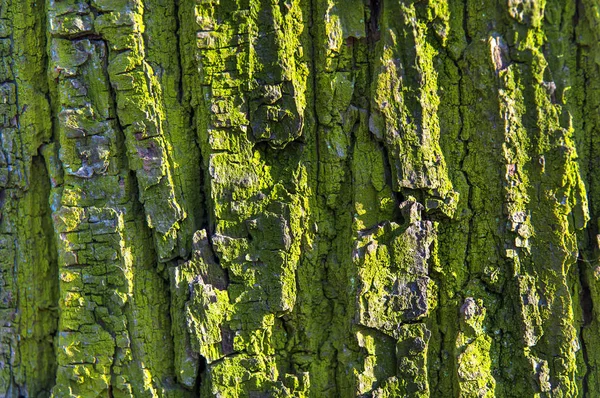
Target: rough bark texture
(300, 198)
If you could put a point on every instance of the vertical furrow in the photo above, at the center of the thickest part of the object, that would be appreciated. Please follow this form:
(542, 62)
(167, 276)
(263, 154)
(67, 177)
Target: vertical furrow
(586, 36)
(340, 84)
(454, 239)
(162, 52)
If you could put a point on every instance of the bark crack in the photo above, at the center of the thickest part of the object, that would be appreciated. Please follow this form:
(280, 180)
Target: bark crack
(587, 308)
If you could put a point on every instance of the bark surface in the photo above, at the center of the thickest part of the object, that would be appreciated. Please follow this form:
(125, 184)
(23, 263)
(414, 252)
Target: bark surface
(308, 198)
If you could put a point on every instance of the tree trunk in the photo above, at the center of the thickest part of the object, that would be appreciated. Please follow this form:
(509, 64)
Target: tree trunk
(300, 198)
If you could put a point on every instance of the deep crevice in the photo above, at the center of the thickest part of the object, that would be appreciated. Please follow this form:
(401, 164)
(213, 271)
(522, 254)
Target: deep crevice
(587, 307)
(322, 261)
(585, 296)
(202, 373)
(374, 14)
(465, 22)
(178, 31)
(53, 261)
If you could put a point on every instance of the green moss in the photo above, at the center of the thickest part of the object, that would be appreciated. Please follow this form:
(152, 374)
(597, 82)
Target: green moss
(323, 198)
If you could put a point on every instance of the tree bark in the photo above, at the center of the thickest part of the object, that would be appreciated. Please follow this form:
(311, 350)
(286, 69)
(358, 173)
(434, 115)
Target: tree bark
(312, 198)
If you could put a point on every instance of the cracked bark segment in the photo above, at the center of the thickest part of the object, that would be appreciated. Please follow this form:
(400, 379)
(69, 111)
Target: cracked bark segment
(106, 332)
(373, 198)
(530, 78)
(251, 62)
(393, 284)
(405, 103)
(10, 179)
(530, 310)
(11, 162)
(535, 200)
(473, 349)
(199, 307)
(206, 312)
(378, 367)
(164, 36)
(248, 87)
(28, 287)
(69, 19)
(587, 32)
(401, 374)
(140, 114)
(395, 297)
(95, 285)
(351, 194)
(470, 264)
(411, 354)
